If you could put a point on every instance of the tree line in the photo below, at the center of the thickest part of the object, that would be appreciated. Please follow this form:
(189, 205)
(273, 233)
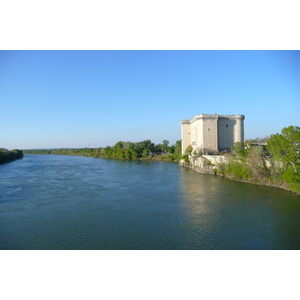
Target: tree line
(276, 163)
(124, 150)
(8, 156)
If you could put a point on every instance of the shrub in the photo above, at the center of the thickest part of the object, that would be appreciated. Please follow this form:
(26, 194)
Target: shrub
(238, 170)
(185, 157)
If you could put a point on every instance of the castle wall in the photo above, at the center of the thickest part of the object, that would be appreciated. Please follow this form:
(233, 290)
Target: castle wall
(226, 135)
(239, 129)
(194, 133)
(213, 132)
(210, 132)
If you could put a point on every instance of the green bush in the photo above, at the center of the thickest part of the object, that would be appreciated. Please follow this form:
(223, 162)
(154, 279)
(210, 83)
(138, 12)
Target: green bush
(185, 157)
(238, 170)
(188, 150)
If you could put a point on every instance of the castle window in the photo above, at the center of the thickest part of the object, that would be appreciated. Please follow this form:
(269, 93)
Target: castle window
(208, 129)
(226, 125)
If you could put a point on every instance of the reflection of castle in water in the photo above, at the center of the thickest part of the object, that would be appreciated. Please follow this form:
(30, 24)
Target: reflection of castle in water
(212, 132)
(201, 215)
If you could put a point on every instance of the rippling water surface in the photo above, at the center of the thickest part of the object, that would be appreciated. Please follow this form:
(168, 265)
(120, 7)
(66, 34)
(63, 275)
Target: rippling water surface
(72, 202)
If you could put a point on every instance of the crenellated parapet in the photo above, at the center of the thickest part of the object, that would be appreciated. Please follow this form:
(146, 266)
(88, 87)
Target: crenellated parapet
(185, 122)
(212, 131)
(212, 117)
(233, 116)
(204, 116)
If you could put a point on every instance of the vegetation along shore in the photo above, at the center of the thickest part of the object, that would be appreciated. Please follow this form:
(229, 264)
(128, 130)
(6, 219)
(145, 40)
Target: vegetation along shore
(277, 163)
(8, 156)
(124, 150)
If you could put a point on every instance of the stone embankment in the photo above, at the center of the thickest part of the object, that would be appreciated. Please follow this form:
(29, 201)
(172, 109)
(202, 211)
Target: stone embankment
(208, 164)
(204, 164)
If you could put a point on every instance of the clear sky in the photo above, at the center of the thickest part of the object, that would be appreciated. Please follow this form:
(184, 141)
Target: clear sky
(54, 99)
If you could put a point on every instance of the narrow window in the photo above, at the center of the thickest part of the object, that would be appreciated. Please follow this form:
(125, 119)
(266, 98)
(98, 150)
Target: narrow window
(226, 125)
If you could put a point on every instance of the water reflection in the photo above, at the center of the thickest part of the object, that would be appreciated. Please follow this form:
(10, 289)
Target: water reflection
(232, 215)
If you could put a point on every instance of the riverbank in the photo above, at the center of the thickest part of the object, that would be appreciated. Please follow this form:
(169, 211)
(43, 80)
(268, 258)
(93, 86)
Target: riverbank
(7, 156)
(218, 165)
(99, 153)
(149, 158)
(144, 150)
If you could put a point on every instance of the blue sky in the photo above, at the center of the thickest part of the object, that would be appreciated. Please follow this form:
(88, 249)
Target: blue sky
(54, 99)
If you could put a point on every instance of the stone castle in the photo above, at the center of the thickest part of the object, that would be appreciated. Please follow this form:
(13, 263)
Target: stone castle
(214, 132)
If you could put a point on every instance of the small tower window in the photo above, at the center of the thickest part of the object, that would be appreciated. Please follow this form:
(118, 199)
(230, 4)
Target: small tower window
(226, 125)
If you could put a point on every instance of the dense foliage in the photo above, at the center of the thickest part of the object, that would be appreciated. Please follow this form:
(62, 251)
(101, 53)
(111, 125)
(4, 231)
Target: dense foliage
(8, 156)
(277, 163)
(124, 150)
(37, 151)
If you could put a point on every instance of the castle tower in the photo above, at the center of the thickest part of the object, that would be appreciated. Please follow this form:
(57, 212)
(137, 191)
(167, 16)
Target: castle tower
(212, 132)
(185, 134)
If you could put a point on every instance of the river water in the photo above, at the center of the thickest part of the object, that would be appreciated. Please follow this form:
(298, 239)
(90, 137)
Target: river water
(73, 202)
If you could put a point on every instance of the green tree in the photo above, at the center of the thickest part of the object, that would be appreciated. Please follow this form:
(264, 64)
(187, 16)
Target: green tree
(238, 170)
(285, 147)
(144, 146)
(165, 146)
(145, 153)
(158, 148)
(177, 150)
(8, 156)
(108, 151)
(238, 150)
(119, 145)
(134, 154)
(188, 150)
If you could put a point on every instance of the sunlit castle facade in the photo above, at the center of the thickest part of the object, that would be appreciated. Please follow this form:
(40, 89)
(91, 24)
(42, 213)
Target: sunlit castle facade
(212, 132)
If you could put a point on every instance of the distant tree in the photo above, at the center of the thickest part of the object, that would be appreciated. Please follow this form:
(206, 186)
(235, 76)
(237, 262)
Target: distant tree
(266, 138)
(145, 153)
(165, 146)
(119, 145)
(8, 156)
(172, 149)
(158, 148)
(127, 145)
(108, 151)
(145, 145)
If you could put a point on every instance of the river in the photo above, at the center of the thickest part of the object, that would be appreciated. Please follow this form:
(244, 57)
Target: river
(72, 202)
